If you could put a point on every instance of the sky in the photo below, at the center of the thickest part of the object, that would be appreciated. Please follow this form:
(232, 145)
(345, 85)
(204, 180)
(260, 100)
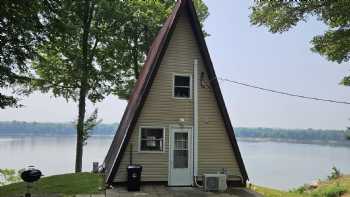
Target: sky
(249, 54)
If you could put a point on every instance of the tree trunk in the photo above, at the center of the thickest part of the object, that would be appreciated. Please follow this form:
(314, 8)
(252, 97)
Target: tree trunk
(84, 88)
(136, 64)
(80, 130)
(136, 59)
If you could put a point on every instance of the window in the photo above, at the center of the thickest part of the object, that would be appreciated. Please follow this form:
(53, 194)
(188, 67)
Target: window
(182, 86)
(152, 139)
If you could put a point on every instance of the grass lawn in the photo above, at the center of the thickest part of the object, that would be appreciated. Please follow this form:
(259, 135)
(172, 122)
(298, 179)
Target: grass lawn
(267, 192)
(87, 183)
(66, 185)
(326, 189)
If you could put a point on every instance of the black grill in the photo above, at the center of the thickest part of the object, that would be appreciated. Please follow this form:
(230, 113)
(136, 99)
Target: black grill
(30, 175)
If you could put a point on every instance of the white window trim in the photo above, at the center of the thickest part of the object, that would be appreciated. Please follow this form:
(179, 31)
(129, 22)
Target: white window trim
(139, 140)
(173, 86)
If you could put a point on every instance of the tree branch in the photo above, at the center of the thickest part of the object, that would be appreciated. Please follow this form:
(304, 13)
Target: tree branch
(49, 84)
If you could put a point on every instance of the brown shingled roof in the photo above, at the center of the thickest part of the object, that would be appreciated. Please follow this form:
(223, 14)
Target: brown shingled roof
(144, 83)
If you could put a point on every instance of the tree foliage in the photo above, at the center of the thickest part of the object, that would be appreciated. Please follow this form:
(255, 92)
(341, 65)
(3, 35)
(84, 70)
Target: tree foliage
(280, 16)
(121, 33)
(21, 30)
(90, 124)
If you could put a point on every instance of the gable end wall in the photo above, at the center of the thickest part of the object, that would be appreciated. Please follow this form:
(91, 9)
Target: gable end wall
(162, 110)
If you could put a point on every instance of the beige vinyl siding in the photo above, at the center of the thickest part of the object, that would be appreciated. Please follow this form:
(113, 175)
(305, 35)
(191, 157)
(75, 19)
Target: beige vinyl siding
(215, 151)
(162, 110)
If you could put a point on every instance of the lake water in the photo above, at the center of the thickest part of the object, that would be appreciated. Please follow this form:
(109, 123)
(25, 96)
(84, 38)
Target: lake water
(271, 164)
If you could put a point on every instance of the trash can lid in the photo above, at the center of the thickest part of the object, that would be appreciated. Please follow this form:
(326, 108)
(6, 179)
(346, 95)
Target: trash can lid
(134, 166)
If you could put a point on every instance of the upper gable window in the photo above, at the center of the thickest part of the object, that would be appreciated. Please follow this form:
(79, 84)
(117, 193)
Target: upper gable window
(182, 86)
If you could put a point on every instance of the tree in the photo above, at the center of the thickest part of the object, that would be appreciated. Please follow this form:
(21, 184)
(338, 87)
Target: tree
(78, 60)
(21, 30)
(94, 48)
(90, 123)
(280, 16)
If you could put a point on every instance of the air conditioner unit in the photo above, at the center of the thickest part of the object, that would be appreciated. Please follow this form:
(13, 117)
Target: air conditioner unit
(215, 182)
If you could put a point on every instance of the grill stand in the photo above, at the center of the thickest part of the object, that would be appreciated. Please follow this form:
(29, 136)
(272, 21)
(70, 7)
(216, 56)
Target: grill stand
(29, 186)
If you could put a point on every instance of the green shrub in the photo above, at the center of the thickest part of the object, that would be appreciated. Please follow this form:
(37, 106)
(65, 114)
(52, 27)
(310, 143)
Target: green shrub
(8, 176)
(300, 190)
(335, 174)
(347, 133)
(333, 191)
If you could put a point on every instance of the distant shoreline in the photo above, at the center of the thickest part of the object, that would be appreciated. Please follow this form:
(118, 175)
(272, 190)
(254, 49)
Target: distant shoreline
(242, 139)
(315, 142)
(260, 134)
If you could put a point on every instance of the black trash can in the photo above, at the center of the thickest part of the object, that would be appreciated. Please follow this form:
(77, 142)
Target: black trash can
(134, 177)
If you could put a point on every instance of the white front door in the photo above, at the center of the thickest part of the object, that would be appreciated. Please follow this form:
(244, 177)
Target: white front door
(180, 157)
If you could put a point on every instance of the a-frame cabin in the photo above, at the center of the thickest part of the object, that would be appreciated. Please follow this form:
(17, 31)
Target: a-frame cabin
(176, 124)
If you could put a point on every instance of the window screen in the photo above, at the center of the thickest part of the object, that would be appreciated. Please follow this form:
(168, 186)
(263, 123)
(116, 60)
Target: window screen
(181, 150)
(152, 139)
(182, 86)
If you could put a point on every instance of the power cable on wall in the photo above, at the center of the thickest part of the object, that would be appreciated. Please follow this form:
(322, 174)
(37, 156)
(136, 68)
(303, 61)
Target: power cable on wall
(282, 92)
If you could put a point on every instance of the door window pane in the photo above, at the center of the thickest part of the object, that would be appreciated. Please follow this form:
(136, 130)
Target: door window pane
(180, 159)
(181, 150)
(181, 141)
